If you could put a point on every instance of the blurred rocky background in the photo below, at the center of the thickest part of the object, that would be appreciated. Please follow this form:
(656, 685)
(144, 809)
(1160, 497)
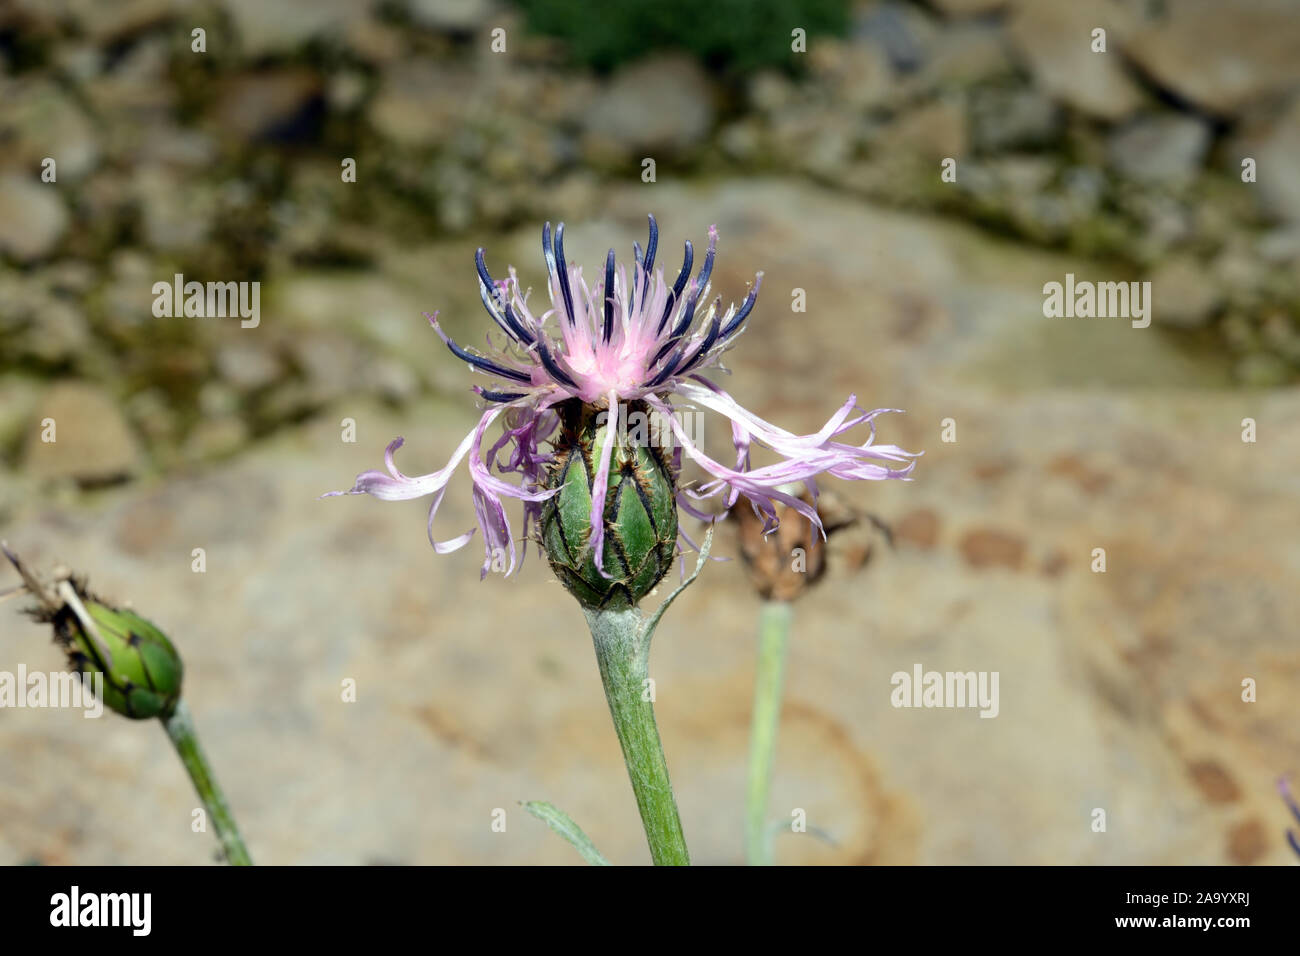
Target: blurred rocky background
(821, 167)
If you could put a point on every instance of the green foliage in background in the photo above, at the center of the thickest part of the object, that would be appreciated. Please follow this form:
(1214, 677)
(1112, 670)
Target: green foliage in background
(731, 35)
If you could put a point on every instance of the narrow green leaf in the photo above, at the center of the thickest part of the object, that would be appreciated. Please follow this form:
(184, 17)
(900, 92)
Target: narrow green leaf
(561, 823)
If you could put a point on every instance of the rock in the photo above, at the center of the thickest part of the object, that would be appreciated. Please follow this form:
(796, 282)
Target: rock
(391, 380)
(968, 8)
(60, 333)
(152, 415)
(903, 33)
(857, 74)
(456, 187)
(332, 365)
(1089, 480)
(288, 25)
(275, 106)
(967, 54)
(93, 444)
(80, 62)
(458, 16)
(1085, 187)
(662, 103)
(1276, 151)
(1281, 334)
(1222, 57)
(578, 191)
(1264, 370)
(41, 121)
(918, 528)
(128, 293)
(1165, 149)
(1022, 175)
(109, 23)
(70, 277)
(933, 131)
(1184, 294)
(137, 90)
(823, 142)
(32, 217)
(742, 140)
(216, 438)
(247, 366)
(1055, 41)
(769, 91)
(1280, 246)
(991, 548)
(375, 42)
(177, 215)
(819, 139)
(18, 396)
(1249, 842)
(421, 103)
(347, 91)
(1016, 118)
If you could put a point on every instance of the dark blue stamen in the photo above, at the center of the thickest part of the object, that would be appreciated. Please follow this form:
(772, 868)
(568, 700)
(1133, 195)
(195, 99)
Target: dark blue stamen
(715, 330)
(563, 268)
(631, 292)
(745, 308)
(480, 263)
(548, 363)
(492, 396)
(688, 313)
(609, 295)
(677, 363)
(487, 365)
(684, 323)
(512, 320)
(508, 321)
(651, 248)
(669, 366)
(547, 252)
(706, 270)
(680, 284)
(653, 245)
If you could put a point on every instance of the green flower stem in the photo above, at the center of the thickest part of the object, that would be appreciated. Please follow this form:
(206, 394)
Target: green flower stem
(624, 659)
(622, 640)
(773, 639)
(180, 728)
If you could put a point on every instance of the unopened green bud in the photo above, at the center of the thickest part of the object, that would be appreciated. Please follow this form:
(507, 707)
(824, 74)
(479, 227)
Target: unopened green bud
(640, 508)
(141, 669)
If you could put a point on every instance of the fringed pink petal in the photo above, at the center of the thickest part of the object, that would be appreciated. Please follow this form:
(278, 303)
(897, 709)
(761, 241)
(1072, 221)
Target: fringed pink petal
(600, 486)
(396, 486)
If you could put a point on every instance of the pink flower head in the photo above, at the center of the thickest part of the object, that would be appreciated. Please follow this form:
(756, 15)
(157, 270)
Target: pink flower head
(633, 336)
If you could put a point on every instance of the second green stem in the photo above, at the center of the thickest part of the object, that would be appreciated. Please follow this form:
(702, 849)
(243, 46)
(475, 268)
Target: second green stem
(773, 638)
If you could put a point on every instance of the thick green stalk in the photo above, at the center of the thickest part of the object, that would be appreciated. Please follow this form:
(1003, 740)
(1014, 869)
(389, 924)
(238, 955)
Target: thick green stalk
(773, 638)
(623, 653)
(180, 728)
(622, 639)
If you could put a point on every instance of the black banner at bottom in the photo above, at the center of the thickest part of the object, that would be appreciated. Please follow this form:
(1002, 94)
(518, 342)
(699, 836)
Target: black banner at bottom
(132, 905)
